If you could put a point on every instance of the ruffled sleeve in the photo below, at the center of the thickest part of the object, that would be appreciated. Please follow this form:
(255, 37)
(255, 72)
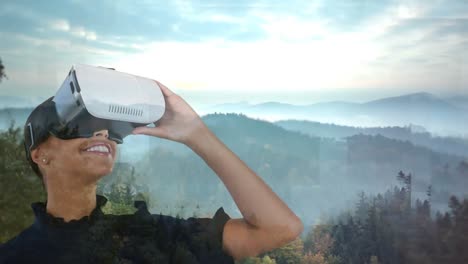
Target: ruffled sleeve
(213, 227)
(197, 240)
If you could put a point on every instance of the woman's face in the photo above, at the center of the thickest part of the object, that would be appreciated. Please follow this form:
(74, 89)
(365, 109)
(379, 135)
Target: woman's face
(85, 159)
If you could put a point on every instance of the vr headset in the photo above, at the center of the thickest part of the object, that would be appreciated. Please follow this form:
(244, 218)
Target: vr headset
(96, 98)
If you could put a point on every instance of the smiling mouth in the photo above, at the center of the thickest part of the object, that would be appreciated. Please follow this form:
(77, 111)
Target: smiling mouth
(102, 150)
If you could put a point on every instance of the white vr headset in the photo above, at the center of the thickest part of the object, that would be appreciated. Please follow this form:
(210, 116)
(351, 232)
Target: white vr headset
(93, 98)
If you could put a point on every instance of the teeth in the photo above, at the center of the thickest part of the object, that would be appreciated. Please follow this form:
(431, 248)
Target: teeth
(99, 149)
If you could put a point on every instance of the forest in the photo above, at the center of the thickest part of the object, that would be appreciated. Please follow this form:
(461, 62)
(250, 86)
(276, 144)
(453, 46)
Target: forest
(385, 228)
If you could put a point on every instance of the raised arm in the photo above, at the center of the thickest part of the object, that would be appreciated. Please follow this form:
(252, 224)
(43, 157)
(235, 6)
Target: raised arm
(267, 221)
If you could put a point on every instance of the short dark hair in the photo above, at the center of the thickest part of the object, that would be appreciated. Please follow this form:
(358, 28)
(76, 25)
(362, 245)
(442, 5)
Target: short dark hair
(36, 129)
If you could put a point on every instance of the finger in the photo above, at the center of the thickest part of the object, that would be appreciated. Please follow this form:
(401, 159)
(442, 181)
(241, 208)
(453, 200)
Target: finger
(150, 131)
(164, 89)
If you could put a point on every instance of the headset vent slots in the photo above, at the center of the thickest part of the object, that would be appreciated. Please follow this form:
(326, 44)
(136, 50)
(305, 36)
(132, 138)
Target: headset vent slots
(125, 110)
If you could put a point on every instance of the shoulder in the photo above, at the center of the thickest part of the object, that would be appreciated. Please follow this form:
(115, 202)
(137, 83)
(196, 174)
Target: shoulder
(192, 240)
(212, 227)
(203, 236)
(20, 245)
(26, 236)
(187, 240)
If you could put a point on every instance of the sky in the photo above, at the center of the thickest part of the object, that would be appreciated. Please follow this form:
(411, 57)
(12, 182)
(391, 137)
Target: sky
(227, 51)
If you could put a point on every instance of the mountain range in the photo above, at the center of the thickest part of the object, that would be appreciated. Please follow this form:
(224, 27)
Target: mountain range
(303, 168)
(440, 116)
(417, 135)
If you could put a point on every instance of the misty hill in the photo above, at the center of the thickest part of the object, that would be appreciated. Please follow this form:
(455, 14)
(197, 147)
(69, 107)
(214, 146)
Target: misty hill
(302, 168)
(413, 102)
(414, 134)
(459, 101)
(424, 109)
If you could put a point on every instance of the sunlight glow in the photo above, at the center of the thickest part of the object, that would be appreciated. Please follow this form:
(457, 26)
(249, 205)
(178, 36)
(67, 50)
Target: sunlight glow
(265, 65)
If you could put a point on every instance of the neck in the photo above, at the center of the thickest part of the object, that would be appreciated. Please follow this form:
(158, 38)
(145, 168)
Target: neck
(70, 202)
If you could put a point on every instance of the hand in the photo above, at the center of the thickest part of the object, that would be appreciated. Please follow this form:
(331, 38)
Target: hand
(179, 122)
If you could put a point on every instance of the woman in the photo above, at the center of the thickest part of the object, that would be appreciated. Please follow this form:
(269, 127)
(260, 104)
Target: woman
(71, 168)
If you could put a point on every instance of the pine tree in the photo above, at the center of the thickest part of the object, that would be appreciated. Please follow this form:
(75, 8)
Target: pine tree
(407, 181)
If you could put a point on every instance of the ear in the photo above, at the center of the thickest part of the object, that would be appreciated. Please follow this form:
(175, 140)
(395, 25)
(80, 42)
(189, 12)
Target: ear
(36, 155)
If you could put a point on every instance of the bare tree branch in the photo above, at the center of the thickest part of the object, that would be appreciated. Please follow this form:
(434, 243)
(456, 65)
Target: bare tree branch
(2, 71)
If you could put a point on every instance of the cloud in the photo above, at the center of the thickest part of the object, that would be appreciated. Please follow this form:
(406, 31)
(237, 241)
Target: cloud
(77, 31)
(60, 25)
(223, 18)
(251, 44)
(394, 47)
(268, 65)
(292, 28)
(351, 15)
(82, 32)
(449, 10)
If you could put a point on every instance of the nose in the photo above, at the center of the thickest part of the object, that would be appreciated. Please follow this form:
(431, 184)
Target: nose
(101, 133)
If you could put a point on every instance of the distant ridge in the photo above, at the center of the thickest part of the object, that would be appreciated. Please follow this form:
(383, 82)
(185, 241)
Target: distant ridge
(413, 100)
(411, 133)
(440, 116)
(460, 101)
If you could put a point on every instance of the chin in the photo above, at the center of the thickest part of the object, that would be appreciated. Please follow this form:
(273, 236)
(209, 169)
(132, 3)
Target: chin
(105, 171)
(97, 174)
(102, 167)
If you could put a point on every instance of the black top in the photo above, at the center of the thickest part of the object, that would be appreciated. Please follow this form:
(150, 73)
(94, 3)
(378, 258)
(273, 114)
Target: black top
(102, 238)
